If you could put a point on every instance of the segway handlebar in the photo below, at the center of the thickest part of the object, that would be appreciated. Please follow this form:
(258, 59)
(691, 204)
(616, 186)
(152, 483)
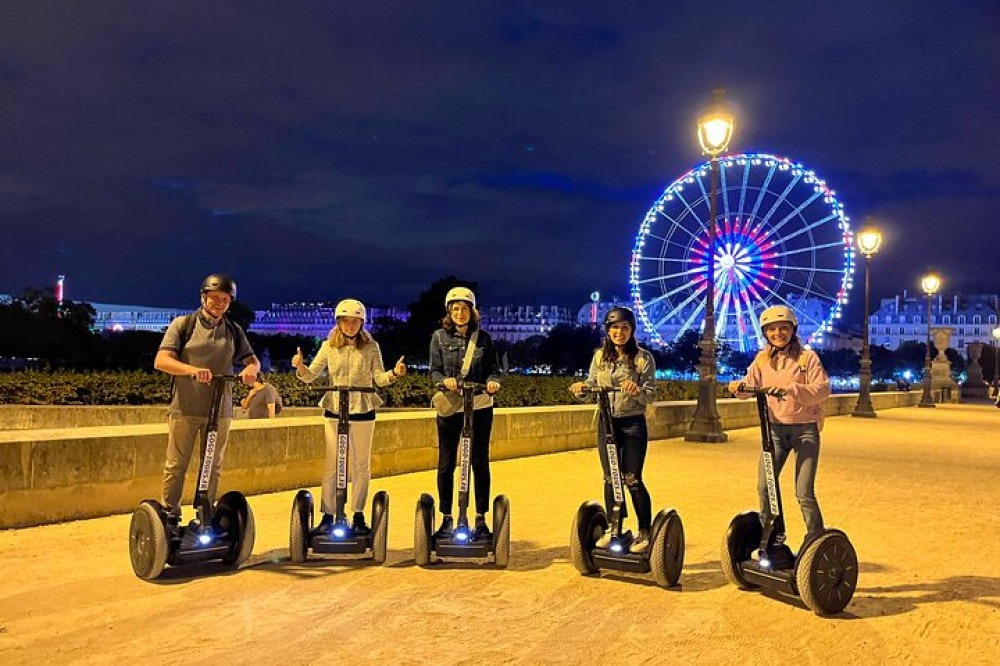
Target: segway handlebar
(774, 391)
(462, 384)
(227, 378)
(607, 390)
(345, 388)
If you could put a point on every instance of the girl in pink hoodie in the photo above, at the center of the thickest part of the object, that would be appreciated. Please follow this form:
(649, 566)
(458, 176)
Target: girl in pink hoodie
(796, 418)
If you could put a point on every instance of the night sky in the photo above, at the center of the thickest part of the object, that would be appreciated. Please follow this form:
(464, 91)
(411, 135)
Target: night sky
(324, 149)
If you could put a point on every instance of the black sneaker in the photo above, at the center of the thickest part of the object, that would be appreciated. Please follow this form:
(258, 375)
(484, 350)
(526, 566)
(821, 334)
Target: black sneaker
(358, 525)
(446, 529)
(326, 524)
(173, 526)
(482, 532)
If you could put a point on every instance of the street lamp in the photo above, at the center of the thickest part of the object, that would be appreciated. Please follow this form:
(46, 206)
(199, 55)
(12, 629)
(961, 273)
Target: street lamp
(869, 241)
(715, 129)
(930, 283)
(996, 352)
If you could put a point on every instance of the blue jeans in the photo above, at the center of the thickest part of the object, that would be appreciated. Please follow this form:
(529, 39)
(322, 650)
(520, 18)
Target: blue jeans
(803, 438)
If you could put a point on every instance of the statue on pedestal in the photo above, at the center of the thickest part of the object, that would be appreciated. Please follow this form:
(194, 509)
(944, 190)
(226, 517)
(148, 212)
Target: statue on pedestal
(974, 387)
(940, 365)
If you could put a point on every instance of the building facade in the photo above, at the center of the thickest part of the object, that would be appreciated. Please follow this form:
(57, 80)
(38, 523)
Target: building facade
(904, 318)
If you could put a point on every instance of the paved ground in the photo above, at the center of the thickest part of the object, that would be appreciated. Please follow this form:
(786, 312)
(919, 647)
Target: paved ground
(916, 490)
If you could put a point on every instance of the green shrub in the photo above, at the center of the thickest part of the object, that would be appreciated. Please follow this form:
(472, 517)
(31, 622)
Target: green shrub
(145, 388)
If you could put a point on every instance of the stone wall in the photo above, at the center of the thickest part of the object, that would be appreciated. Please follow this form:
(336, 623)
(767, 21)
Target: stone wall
(56, 474)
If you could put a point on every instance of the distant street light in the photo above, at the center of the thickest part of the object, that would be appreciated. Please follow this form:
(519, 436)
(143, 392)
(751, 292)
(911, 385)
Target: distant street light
(930, 283)
(869, 241)
(715, 129)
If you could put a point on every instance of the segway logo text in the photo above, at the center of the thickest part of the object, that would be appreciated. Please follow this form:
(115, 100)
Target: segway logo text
(772, 491)
(342, 461)
(616, 475)
(464, 481)
(206, 469)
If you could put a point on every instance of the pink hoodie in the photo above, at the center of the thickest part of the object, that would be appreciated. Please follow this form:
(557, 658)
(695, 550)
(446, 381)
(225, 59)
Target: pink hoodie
(806, 390)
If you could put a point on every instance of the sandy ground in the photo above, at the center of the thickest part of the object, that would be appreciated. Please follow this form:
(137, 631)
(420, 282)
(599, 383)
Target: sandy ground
(916, 491)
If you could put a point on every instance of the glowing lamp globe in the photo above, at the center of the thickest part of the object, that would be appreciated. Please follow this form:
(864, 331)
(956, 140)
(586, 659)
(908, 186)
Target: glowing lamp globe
(715, 126)
(869, 241)
(930, 283)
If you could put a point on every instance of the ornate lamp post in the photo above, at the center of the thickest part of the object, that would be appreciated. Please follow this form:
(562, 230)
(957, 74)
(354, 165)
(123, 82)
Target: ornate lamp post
(996, 352)
(930, 283)
(715, 129)
(869, 241)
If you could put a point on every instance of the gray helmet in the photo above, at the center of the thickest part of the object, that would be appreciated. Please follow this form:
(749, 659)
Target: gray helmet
(619, 314)
(219, 282)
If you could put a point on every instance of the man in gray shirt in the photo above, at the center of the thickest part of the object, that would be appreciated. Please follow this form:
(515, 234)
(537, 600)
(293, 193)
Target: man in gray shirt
(212, 346)
(262, 402)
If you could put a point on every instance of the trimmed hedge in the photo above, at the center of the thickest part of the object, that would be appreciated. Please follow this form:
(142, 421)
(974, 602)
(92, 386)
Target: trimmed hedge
(145, 388)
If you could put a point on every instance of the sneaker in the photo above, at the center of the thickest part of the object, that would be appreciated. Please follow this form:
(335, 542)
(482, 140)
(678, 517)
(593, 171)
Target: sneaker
(358, 525)
(326, 524)
(173, 525)
(641, 543)
(605, 539)
(482, 532)
(445, 531)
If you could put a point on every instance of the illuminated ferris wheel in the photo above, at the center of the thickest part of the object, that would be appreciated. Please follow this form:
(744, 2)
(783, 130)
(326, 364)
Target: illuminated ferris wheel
(782, 239)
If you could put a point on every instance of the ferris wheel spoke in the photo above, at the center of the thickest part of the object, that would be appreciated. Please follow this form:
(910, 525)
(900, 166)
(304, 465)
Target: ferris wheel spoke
(798, 209)
(680, 306)
(662, 278)
(763, 189)
(701, 223)
(788, 253)
(801, 312)
(812, 269)
(667, 295)
(690, 320)
(723, 193)
(662, 260)
(782, 197)
(818, 291)
(808, 228)
(743, 189)
(676, 224)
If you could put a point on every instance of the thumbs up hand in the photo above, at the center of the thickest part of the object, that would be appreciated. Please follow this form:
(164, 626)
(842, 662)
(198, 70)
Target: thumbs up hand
(297, 359)
(400, 368)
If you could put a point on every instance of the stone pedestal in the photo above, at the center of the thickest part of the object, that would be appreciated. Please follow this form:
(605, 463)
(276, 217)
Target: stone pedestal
(974, 387)
(941, 366)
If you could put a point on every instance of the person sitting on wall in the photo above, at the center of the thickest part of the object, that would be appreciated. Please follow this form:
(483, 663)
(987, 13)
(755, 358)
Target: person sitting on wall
(262, 402)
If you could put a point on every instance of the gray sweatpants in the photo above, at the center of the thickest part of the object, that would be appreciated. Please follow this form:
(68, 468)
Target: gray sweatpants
(803, 438)
(359, 465)
(182, 441)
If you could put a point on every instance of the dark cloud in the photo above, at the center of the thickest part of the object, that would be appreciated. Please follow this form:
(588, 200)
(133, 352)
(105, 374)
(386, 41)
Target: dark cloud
(319, 149)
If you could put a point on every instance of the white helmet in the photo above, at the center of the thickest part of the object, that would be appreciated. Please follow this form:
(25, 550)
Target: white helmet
(460, 294)
(351, 308)
(776, 313)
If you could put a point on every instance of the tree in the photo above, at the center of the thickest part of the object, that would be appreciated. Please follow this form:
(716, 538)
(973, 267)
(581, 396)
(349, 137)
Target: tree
(568, 349)
(840, 362)
(426, 313)
(684, 352)
(241, 313)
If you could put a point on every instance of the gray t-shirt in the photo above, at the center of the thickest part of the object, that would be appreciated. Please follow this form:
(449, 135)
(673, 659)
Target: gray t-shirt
(210, 346)
(257, 407)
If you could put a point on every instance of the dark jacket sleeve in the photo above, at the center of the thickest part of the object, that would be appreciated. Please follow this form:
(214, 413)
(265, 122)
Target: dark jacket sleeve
(436, 359)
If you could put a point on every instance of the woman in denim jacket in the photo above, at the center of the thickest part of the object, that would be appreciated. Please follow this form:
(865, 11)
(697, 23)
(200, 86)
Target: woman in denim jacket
(350, 357)
(620, 363)
(447, 353)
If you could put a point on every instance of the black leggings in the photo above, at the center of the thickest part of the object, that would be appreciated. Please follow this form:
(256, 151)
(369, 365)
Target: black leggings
(449, 434)
(632, 438)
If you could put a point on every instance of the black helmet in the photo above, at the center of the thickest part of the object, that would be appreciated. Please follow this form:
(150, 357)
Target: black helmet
(219, 282)
(618, 314)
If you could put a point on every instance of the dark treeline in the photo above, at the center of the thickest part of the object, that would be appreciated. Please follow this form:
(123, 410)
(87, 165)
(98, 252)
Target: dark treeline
(38, 331)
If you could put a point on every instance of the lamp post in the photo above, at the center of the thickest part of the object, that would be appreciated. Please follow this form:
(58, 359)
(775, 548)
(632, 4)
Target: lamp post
(869, 241)
(996, 352)
(715, 129)
(930, 283)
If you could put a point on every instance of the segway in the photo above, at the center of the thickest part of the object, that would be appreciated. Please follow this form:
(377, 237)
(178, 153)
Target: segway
(462, 543)
(665, 556)
(824, 573)
(222, 532)
(340, 539)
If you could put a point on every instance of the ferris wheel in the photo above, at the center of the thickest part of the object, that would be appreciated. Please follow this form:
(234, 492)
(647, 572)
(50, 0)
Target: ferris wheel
(782, 238)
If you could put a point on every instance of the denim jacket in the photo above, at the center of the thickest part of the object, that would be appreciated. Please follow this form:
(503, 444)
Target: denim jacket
(448, 352)
(611, 374)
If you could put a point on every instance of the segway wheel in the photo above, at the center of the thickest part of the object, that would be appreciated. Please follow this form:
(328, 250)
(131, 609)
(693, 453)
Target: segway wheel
(380, 526)
(827, 573)
(147, 541)
(233, 515)
(667, 556)
(501, 531)
(300, 525)
(588, 526)
(742, 538)
(422, 530)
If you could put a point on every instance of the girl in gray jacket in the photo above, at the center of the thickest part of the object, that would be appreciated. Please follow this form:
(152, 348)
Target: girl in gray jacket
(350, 357)
(620, 363)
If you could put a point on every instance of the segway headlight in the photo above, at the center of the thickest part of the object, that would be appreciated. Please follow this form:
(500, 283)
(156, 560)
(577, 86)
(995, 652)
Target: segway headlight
(462, 535)
(204, 538)
(616, 547)
(339, 532)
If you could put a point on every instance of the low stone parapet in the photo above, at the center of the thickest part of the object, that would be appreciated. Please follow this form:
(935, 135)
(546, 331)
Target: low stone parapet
(55, 474)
